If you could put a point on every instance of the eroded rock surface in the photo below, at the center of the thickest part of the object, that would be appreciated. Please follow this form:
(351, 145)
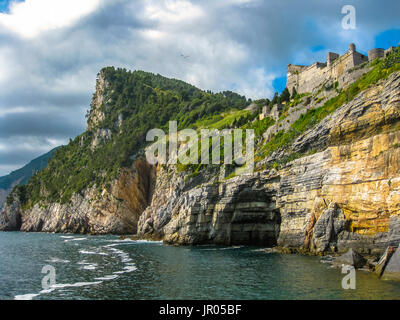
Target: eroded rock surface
(346, 195)
(111, 210)
(392, 270)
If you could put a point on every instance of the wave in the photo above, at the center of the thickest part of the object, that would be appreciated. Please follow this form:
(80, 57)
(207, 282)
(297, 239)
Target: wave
(134, 241)
(56, 286)
(57, 260)
(227, 248)
(74, 239)
(128, 266)
(93, 252)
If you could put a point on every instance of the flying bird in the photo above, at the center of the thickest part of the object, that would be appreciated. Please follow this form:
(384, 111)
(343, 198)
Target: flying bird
(184, 57)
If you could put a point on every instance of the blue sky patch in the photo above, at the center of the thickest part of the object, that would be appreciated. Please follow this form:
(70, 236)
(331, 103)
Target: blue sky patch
(4, 5)
(388, 38)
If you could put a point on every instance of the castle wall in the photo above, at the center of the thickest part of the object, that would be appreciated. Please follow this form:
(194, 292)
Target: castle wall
(307, 79)
(331, 58)
(375, 53)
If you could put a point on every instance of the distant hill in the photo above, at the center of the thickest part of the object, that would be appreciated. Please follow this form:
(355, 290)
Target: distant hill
(21, 176)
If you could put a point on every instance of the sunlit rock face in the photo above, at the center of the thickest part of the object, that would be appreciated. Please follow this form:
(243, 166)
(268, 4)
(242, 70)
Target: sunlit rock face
(346, 195)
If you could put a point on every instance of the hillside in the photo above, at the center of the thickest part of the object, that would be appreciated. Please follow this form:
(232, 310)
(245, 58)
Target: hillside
(327, 167)
(21, 176)
(102, 161)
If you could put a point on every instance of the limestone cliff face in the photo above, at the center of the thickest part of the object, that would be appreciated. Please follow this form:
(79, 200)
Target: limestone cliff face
(111, 210)
(358, 171)
(346, 195)
(10, 217)
(96, 115)
(239, 211)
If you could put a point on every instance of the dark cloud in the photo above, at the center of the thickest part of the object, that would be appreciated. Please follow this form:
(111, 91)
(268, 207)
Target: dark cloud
(232, 44)
(52, 124)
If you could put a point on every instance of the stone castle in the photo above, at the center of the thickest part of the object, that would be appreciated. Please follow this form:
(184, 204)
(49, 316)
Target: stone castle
(336, 68)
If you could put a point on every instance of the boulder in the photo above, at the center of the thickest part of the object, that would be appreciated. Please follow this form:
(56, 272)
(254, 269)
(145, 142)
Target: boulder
(383, 261)
(10, 216)
(331, 222)
(351, 258)
(392, 270)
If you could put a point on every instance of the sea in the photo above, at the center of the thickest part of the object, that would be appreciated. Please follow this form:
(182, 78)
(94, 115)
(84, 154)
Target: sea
(43, 266)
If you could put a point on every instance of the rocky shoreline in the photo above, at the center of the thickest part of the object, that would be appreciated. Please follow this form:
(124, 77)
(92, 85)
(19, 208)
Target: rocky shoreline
(341, 193)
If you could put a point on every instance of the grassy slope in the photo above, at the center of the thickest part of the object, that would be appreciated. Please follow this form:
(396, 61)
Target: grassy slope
(381, 70)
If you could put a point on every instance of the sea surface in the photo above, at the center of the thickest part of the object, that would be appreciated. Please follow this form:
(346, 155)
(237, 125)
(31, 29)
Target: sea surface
(104, 267)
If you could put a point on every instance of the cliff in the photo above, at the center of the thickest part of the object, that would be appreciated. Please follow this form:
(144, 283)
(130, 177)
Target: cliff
(101, 182)
(327, 169)
(343, 191)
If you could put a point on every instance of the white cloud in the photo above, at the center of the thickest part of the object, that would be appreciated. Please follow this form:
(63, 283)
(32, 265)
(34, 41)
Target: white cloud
(172, 11)
(31, 17)
(15, 110)
(51, 51)
(256, 84)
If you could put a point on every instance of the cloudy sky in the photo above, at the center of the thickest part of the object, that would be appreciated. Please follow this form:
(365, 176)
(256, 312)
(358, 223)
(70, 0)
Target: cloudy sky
(51, 51)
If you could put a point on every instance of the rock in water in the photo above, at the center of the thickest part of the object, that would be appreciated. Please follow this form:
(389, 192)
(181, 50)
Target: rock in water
(331, 222)
(392, 270)
(383, 261)
(351, 258)
(10, 217)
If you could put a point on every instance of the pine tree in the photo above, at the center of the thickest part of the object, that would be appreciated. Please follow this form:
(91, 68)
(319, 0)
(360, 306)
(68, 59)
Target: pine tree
(285, 96)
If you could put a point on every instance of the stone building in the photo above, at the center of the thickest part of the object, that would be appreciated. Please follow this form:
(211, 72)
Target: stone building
(308, 78)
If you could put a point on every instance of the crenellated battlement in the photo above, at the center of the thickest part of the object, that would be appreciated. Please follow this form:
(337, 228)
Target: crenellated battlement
(336, 68)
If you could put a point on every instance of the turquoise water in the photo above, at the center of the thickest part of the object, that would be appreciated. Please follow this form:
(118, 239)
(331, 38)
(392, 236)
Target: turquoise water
(103, 267)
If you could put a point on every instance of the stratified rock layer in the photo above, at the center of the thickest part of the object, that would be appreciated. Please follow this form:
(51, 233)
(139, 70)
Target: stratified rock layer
(111, 210)
(345, 196)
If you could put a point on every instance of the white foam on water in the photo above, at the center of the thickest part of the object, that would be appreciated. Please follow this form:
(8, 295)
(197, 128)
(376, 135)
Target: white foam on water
(232, 248)
(28, 296)
(121, 240)
(56, 286)
(226, 248)
(74, 285)
(57, 260)
(90, 266)
(128, 267)
(133, 241)
(109, 277)
(75, 239)
(93, 252)
(122, 254)
(148, 241)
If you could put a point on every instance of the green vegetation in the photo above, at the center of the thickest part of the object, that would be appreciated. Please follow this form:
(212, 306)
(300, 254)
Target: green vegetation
(295, 100)
(382, 69)
(259, 126)
(231, 119)
(283, 98)
(22, 175)
(262, 102)
(145, 101)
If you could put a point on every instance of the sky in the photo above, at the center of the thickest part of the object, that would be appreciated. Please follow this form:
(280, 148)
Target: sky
(52, 50)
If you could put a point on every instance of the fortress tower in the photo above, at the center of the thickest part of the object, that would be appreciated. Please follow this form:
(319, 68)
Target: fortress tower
(336, 68)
